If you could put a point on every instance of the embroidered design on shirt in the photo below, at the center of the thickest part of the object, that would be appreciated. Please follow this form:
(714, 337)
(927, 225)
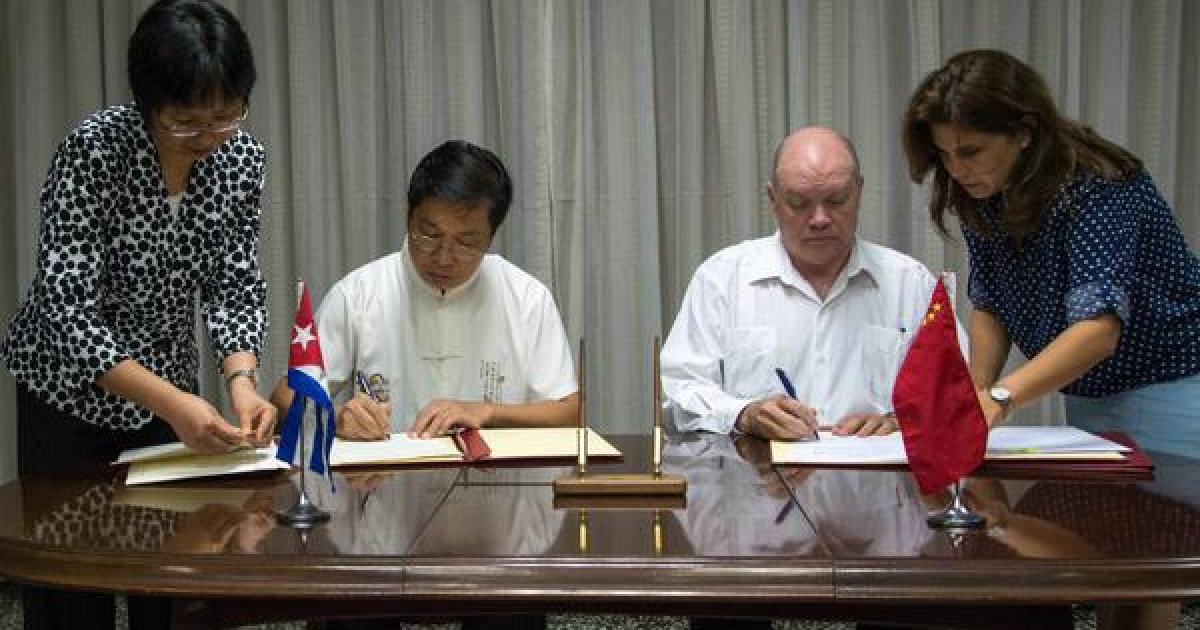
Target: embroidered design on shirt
(491, 381)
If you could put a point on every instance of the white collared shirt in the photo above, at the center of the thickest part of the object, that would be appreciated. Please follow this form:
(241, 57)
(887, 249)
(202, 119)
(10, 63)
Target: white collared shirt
(747, 311)
(498, 337)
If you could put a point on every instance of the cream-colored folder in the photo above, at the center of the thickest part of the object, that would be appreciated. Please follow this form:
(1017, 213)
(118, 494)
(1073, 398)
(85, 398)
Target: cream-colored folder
(172, 462)
(522, 443)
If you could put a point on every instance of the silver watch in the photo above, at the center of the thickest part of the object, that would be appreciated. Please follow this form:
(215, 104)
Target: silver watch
(1001, 395)
(250, 373)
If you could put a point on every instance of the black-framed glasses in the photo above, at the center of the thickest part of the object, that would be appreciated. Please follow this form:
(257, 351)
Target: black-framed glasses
(218, 127)
(429, 245)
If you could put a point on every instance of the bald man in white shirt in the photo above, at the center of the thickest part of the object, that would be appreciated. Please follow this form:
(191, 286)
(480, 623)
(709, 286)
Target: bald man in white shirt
(834, 313)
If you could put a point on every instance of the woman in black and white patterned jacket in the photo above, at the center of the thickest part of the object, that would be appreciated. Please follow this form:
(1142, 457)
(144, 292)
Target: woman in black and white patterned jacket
(149, 210)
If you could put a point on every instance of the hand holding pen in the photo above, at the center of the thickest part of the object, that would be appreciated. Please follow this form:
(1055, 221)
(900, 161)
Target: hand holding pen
(808, 414)
(779, 417)
(365, 416)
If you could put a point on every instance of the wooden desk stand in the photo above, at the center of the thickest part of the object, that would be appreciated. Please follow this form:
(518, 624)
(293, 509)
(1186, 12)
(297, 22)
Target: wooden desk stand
(628, 484)
(654, 483)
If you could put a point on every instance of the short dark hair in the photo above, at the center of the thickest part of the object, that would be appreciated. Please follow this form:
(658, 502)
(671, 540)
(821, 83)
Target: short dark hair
(184, 52)
(458, 171)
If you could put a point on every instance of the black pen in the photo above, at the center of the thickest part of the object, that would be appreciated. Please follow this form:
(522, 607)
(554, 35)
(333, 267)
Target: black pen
(791, 392)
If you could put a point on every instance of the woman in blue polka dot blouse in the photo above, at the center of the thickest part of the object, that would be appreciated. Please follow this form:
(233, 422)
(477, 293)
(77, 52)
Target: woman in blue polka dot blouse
(1074, 255)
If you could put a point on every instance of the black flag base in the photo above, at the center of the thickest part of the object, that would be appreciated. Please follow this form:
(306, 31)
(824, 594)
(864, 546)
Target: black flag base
(303, 515)
(956, 515)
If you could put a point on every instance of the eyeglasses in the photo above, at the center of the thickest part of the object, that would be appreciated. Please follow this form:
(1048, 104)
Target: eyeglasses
(218, 127)
(429, 245)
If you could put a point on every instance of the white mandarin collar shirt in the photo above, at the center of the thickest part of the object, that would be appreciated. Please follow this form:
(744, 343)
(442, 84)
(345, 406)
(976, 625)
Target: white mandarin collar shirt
(497, 338)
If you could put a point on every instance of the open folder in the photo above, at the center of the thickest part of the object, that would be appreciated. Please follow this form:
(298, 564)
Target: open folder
(1011, 451)
(500, 444)
(174, 461)
(170, 462)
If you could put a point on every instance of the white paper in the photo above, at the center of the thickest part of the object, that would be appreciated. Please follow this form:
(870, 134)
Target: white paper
(397, 448)
(1003, 443)
(1035, 440)
(841, 449)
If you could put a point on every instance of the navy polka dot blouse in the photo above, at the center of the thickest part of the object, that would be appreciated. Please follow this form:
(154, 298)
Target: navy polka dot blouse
(120, 274)
(1105, 247)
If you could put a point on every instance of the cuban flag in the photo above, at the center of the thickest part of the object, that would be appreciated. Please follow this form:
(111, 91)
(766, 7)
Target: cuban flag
(306, 377)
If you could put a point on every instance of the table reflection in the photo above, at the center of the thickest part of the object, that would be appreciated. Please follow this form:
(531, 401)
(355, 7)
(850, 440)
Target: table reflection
(1057, 519)
(377, 512)
(180, 519)
(737, 505)
(496, 512)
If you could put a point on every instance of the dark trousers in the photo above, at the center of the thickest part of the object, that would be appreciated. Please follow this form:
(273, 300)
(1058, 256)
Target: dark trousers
(53, 443)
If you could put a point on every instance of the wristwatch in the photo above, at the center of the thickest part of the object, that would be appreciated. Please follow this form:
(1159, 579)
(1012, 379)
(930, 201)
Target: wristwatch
(250, 373)
(1001, 396)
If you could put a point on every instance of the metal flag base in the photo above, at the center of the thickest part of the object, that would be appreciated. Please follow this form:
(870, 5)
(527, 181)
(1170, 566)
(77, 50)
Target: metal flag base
(303, 515)
(956, 515)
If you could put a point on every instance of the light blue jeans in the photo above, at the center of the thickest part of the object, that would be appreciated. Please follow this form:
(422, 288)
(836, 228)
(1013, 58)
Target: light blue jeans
(1164, 417)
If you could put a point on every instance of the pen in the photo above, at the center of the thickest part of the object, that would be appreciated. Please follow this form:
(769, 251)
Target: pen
(791, 392)
(787, 383)
(366, 385)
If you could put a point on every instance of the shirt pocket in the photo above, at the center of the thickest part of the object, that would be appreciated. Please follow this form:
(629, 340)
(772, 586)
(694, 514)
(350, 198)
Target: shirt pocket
(750, 358)
(882, 350)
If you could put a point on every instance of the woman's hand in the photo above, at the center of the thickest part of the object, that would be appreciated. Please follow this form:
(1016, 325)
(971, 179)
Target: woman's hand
(256, 416)
(200, 426)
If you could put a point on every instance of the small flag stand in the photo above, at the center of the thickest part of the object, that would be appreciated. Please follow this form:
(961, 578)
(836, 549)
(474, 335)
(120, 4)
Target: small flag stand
(306, 378)
(304, 514)
(956, 515)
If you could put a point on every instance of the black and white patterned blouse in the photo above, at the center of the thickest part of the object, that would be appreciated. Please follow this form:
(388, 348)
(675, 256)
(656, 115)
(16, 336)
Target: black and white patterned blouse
(119, 273)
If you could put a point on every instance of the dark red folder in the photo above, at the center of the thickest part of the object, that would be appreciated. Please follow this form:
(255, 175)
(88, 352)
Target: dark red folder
(1135, 466)
(470, 443)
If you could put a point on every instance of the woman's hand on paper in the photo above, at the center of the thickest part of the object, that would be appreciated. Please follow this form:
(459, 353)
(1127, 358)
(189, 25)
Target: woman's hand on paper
(200, 426)
(256, 416)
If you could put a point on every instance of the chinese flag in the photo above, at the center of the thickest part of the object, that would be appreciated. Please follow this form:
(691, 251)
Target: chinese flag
(935, 402)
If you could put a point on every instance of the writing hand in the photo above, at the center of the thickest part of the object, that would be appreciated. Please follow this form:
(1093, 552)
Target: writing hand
(362, 418)
(442, 415)
(779, 418)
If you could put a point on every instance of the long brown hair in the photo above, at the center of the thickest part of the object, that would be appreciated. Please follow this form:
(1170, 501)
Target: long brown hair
(990, 91)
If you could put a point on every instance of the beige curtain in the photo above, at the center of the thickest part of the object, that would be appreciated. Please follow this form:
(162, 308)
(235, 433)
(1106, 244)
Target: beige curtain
(639, 132)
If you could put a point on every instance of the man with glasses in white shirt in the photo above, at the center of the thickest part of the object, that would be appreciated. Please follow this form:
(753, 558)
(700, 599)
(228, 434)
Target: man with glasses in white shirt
(802, 329)
(442, 335)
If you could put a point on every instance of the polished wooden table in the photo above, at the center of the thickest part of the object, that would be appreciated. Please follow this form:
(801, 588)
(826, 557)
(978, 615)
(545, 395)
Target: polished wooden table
(749, 540)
